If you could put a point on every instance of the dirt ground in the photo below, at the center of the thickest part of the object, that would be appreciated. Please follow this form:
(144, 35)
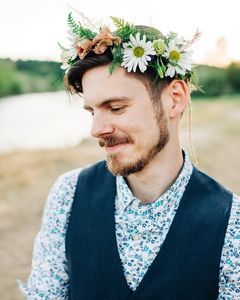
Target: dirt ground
(26, 177)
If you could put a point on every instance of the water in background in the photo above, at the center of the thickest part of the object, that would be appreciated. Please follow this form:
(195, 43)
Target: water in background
(42, 121)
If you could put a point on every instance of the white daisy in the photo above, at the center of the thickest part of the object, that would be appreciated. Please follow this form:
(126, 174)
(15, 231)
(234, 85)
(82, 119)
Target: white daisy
(137, 53)
(179, 60)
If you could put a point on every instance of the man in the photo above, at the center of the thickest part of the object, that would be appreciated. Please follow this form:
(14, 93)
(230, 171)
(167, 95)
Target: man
(145, 224)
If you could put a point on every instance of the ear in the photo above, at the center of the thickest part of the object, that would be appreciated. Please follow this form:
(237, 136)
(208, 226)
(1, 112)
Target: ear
(179, 94)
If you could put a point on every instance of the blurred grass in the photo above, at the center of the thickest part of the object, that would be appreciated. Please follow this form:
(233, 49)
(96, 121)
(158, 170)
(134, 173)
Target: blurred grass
(26, 177)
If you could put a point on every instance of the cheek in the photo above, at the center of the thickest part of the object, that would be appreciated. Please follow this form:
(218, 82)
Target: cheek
(140, 122)
(144, 130)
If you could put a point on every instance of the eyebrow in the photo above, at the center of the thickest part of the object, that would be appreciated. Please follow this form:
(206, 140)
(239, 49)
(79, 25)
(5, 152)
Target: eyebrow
(108, 101)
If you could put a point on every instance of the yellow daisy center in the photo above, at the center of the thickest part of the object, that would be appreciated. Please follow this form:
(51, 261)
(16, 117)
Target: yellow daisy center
(138, 52)
(174, 55)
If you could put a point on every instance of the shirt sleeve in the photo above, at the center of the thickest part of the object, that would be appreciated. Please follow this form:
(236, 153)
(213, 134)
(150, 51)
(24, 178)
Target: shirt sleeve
(49, 275)
(229, 283)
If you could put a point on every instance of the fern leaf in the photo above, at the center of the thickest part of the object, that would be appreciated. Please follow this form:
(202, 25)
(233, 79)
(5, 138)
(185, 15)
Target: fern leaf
(125, 32)
(86, 33)
(119, 23)
(72, 24)
(79, 30)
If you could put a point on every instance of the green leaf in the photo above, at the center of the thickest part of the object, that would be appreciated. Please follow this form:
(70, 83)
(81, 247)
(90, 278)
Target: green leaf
(79, 30)
(113, 66)
(124, 29)
(119, 23)
(86, 33)
(125, 33)
(117, 58)
(72, 24)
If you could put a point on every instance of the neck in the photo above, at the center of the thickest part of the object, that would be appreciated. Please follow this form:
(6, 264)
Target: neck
(156, 178)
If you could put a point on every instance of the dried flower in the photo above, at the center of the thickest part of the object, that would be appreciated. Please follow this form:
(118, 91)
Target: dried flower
(104, 40)
(83, 47)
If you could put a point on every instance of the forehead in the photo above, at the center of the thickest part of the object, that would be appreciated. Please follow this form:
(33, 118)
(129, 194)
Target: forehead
(98, 85)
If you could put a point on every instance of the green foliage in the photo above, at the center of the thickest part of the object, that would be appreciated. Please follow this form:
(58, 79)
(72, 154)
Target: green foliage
(212, 80)
(9, 79)
(120, 23)
(215, 82)
(117, 59)
(233, 75)
(159, 67)
(124, 29)
(79, 30)
(21, 76)
(29, 76)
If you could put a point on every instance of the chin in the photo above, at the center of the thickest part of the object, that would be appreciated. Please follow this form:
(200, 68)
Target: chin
(124, 167)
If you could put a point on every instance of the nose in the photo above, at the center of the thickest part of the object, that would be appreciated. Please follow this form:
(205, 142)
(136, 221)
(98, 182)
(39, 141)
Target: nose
(101, 125)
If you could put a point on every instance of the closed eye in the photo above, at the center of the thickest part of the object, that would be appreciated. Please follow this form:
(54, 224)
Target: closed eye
(118, 109)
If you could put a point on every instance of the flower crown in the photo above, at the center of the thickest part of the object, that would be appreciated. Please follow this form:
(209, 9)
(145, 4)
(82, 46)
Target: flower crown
(132, 47)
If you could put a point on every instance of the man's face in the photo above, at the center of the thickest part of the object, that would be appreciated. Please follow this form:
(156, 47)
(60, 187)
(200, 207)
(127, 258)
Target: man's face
(124, 120)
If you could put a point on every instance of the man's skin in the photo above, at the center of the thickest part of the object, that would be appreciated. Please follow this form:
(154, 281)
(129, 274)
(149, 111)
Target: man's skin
(121, 106)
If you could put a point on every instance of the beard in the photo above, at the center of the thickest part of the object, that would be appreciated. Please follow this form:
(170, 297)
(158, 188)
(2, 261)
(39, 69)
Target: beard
(125, 168)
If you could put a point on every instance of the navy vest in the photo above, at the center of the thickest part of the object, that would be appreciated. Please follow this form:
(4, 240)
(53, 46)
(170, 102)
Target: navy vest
(187, 265)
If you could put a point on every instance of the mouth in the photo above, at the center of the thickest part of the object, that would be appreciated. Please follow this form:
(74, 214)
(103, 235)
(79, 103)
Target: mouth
(115, 147)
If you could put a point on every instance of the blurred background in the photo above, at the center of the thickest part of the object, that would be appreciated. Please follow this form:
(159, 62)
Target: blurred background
(44, 133)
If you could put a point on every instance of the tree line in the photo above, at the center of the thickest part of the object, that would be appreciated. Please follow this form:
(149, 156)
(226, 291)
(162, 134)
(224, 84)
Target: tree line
(28, 76)
(215, 81)
(18, 77)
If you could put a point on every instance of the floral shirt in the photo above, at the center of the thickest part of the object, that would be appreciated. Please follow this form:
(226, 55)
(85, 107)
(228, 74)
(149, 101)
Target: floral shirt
(140, 231)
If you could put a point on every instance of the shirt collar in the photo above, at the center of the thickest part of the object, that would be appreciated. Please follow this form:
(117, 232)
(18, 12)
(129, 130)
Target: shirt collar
(125, 195)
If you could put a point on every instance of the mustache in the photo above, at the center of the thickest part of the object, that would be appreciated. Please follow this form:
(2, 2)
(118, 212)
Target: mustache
(113, 140)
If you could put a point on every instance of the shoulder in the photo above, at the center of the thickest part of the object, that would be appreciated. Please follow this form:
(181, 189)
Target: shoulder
(208, 184)
(233, 232)
(65, 185)
(68, 178)
(62, 191)
(230, 261)
(236, 207)
(60, 198)
(206, 178)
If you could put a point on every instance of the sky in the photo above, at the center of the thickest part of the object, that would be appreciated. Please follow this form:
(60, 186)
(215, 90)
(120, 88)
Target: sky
(31, 29)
